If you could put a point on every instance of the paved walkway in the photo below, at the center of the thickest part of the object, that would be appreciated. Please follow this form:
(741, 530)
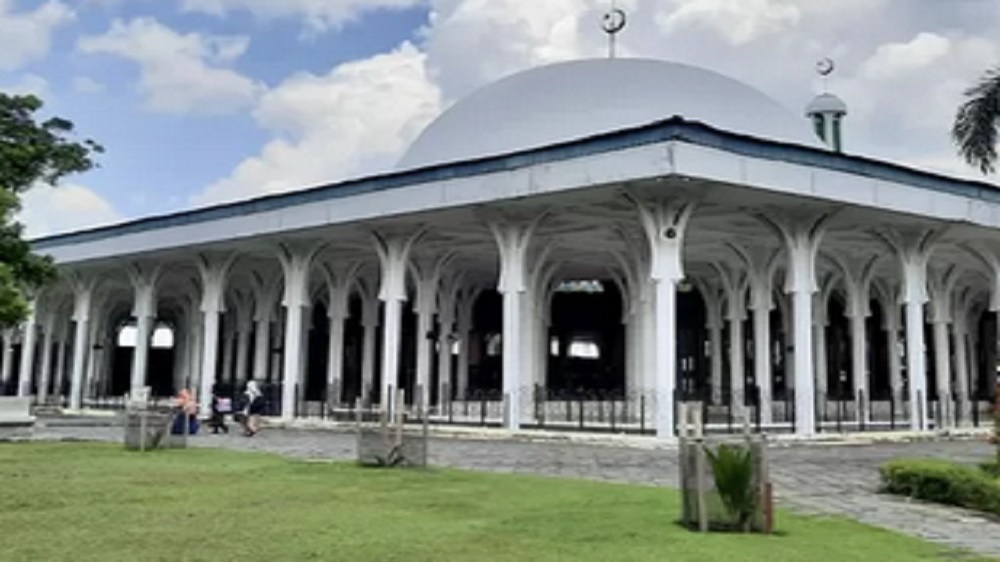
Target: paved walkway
(816, 479)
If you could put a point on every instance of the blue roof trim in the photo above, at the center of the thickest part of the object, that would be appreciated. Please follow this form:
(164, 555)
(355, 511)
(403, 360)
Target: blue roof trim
(674, 128)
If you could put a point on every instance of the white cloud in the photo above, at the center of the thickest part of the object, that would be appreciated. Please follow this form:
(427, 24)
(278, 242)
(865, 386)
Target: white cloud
(736, 21)
(180, 73)
(318, 15)
(354, 120)
(26, 36)
(87, 85)
(29, 84)
(900, 70)
(47, 210)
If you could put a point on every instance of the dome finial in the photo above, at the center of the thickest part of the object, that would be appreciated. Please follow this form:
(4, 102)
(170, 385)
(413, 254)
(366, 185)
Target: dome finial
(825, 68)
(827, 111)
(613, 24)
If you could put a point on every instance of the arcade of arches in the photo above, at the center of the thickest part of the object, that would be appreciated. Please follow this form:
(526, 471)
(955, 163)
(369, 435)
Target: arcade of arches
(425, 304)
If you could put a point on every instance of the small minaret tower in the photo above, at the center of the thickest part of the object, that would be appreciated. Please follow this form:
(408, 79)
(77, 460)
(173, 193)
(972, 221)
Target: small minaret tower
(827, 111)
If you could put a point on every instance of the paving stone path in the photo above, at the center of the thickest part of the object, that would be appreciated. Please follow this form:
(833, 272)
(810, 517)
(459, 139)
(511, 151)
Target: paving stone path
(814, 479)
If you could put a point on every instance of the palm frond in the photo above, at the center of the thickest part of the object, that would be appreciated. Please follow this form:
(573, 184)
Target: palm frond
(975, 127)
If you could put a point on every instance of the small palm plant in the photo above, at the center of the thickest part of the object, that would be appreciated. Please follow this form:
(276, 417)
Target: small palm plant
(733, 470)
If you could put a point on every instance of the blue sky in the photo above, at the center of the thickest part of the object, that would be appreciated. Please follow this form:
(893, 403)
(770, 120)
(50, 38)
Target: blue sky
(155, 161)
(204, 101)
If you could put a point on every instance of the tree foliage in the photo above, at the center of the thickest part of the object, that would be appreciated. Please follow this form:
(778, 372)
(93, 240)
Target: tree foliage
(31, 152)
(975, 127)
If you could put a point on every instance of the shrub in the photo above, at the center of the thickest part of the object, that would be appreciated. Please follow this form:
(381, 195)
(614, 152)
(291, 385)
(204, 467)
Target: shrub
(943, 482)
(992, 468)
(733, 470)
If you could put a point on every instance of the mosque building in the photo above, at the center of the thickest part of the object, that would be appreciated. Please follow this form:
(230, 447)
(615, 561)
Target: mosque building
(622, 232)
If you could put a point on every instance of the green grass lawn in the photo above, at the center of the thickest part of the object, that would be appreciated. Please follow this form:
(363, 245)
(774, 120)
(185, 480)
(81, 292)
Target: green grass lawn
(98, 502)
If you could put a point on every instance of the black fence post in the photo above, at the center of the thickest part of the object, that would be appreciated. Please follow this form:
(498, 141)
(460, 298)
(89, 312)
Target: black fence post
(975, 411)
(793, 410)
(642, 413)
(729, 412)
(612, 414)
(758, 404)
(892, 411)
(579, 403)
(840, 413)
(862, 410)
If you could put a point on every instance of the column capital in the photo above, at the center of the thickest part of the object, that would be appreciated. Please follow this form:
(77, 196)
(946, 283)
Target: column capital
(942, 288)
(513, 238)
(801, 235)
(913, 248)
(214, 270)
(145, 278)
(338, 278)
(664, 222)
(427, 271)
(858, 274)
(296, 265)
(393, 254)
(83, 286)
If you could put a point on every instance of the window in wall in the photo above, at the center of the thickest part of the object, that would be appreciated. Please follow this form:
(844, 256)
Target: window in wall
(126, 336)
(163, 337)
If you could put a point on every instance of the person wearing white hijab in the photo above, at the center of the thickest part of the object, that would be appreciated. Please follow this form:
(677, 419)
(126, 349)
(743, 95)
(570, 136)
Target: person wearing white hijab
(253, 409)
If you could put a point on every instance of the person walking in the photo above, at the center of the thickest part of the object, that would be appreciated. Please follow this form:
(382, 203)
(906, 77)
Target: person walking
(253, 408)
(220, 407)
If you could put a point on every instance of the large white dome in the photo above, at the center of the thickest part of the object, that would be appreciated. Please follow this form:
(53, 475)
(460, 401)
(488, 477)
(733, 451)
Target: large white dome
(579, 99)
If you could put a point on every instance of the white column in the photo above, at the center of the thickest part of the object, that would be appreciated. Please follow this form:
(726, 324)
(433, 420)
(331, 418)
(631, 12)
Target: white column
(962, 365)
(428, 272)
(144, 282)
(197, 348)
(295, 347)
(7, 368)
(394, 253)
(734, 282)
(28, 334)
(914, 297)
(513, 241)
(83, 291)
(446, 320)
(737, 365)
(942, 371)
(369, 320)
(819, 345)
(335, 359)
(762, 358)
(213, 277)
(859, 371)
(262, 346)
(296, 263)
(48, 337)
(61, 360)
(802, 238)
(941, 286)
(29, 331)
(242, 352)
(228, 353)
(664, 224)
(760, 264)
(715, 347)
(464, 333)
(891, 325)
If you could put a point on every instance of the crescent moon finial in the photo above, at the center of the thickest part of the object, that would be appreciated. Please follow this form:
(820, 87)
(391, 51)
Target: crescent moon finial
(825, 67)
(613, 23)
